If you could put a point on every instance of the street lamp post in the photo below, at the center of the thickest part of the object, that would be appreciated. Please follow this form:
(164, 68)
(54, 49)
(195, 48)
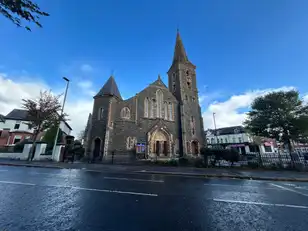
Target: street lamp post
(62, 109)
(215, 127)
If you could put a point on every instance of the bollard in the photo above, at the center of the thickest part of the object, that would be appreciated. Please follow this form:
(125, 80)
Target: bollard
(112, 157)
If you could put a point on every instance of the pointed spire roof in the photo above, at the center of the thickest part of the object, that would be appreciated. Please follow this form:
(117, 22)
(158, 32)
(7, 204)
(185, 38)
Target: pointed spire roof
(110, 88)
(179, 50)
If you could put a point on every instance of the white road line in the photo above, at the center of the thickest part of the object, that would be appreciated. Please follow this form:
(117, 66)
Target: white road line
(262, 203)
(132, 179)
(104, 190)
(244, 186)
(13, 182)
(117, 191)
(288, 189)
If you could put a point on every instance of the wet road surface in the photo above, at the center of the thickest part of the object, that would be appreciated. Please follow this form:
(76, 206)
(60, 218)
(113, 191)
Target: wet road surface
(60, 199)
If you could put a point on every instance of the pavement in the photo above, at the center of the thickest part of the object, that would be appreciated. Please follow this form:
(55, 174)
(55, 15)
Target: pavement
(234, 173)
(76, 199)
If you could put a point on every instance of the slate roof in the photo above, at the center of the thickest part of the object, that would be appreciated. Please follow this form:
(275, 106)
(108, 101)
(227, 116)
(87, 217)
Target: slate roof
(2, 119)
(110, 88)
(17, 114)
(179, 50)
(228, 130)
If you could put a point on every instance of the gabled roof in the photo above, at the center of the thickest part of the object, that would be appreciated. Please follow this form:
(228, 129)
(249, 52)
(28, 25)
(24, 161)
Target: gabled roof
(17, 114)
(159, 82)
(21, 114)
(110, 89)
(2, 119)
(228, 130)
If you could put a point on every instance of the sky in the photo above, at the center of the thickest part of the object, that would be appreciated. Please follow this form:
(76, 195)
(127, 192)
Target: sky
(242, 49)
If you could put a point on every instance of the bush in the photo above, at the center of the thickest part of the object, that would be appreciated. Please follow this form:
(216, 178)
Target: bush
(183, 161)
(253, 165)
(198, 163)
(173, 162)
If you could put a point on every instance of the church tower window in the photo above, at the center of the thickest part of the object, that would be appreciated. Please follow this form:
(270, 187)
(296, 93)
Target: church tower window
(125, 113)
(100, 113)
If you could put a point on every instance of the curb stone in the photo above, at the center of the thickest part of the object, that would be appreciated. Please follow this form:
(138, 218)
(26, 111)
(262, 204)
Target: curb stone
(171, 173)
(226, 176)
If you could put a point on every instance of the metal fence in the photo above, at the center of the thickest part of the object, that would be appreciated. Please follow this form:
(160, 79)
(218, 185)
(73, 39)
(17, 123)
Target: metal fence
(276, 160)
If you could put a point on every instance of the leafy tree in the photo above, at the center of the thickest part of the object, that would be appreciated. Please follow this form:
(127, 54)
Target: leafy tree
(43, 112)
(280, 115)
(16, 10)
(50, 135)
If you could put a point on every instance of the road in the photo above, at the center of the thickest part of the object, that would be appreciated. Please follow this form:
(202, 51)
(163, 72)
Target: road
(61, 199)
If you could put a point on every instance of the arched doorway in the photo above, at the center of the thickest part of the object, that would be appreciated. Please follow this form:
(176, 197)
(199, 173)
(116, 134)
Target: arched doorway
(194, 147)
(97, 147)
(160, 144)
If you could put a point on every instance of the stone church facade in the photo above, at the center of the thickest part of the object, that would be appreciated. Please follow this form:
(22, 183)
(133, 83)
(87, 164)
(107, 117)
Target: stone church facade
(165, 120)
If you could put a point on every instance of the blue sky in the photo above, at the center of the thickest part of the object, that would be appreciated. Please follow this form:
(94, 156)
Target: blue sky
(238, 46)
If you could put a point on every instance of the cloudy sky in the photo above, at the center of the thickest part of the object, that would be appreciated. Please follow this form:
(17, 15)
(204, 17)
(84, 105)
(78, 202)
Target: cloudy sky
(242, 49)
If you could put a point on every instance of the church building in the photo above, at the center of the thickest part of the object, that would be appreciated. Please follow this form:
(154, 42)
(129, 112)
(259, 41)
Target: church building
(160, 121)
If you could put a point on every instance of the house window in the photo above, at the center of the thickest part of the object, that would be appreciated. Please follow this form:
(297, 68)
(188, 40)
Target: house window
(17, 125)
(100, 113)
(130, 142)
(146, 107)
(16, 139)
(125, 113)
(240, 140)
(194, 99)
(159, 99)
(170, 111)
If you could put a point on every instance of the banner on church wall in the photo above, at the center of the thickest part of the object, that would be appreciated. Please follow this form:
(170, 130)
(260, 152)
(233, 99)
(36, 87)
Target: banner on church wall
(140, 147)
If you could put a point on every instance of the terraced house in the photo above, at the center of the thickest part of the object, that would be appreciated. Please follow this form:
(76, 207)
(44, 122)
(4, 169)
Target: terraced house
(160, 121)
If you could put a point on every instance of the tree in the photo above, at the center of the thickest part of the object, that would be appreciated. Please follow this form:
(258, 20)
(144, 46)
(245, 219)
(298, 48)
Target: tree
(43, 112)
(279, 115)
(50, 134)
(16, 10)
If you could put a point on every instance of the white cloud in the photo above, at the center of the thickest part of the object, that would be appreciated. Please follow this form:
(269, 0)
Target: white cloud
(232, 111)
(12, 92)
(86, 68)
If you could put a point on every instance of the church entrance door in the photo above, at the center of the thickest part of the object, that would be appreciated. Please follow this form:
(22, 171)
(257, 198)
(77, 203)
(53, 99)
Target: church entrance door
(97, 147)
(194, 147)
(157, 148)
(160, 143)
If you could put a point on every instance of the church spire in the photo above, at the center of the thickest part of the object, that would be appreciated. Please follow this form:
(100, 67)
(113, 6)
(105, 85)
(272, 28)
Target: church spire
(179, 50)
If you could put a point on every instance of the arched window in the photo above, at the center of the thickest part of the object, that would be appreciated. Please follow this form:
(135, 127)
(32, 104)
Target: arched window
(166, 110)
(170, 111)
(152, 107)
(159, 99)
(125, 113)
(100, 113)
(146, 107)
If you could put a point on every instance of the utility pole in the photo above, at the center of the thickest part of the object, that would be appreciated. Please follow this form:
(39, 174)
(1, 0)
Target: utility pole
(215, 127)
(62, 109)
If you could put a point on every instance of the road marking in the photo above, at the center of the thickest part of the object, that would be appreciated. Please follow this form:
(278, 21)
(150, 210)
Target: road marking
(13, 182)
(132, 179)
(288, 189)
(117, 191)
(262, 203)
(104, 190)
(232, 185)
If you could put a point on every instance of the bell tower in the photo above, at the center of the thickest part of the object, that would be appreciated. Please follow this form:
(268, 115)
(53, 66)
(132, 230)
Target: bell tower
(183, 85)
